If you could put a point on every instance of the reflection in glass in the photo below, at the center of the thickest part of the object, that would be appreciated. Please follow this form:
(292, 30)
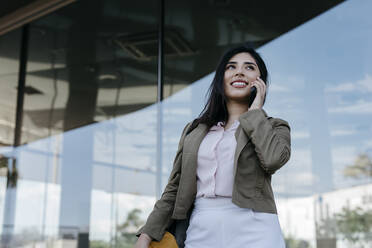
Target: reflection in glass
(80, 71)
(9, 66)
(320, 75)
(9, 170)
(80, 77)
(321, 83)
(86, 169)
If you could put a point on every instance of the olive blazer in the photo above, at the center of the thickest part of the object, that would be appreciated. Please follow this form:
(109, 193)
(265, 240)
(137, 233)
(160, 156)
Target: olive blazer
(263, 146)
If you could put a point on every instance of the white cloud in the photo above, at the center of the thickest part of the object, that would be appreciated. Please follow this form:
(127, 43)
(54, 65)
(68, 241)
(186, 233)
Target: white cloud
(343, 155)
(104, 215)
(361, 107)
(278, 88)
(364, 85)
(300, 157)
(300, 134)
(368, 143)
(281, 83)
(342, 132)
(296, 216)
(31, 214)
(303, 178)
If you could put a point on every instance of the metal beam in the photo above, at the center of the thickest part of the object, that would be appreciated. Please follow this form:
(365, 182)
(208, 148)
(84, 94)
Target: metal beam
(159, 140)
(21, 85)
(29, 13)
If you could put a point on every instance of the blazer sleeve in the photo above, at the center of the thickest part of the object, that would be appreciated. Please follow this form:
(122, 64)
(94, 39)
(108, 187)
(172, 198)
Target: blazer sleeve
(160, 217)
(270, 137)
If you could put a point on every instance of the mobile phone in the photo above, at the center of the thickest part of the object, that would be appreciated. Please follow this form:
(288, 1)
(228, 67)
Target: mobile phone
(252, 95)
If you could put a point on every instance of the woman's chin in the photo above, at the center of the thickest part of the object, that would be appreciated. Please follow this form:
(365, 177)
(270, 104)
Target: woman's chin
(239, 99)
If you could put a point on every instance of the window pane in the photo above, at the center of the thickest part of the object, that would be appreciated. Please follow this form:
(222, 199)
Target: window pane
(9, 66)
(326, 103)
(89, 131)
(321, 75)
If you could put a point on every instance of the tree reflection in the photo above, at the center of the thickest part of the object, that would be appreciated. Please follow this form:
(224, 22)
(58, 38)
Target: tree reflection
(11, 172)
(361, 168)
(292, 242)
(352, 225)
(126, 237)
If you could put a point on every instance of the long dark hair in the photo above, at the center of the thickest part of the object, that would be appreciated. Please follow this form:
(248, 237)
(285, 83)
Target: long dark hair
(215, 109)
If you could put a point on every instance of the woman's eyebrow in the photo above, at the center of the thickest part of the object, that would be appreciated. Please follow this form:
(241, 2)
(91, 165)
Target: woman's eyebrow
(247, 63)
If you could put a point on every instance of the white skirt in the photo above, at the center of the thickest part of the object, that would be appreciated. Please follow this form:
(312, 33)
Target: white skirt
(219, 223)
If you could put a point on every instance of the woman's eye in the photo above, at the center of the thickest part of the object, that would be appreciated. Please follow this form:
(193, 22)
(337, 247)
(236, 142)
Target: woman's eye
(230, 66)
(250, 67)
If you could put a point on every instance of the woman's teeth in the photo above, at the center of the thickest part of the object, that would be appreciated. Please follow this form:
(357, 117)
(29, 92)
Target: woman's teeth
(239, 84)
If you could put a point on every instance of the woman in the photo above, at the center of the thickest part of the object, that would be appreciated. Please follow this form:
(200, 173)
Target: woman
(223, 166)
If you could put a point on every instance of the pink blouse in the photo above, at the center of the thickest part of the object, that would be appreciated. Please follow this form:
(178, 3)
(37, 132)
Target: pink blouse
(216, 161)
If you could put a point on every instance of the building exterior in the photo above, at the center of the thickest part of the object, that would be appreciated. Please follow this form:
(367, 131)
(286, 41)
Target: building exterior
(324, 220)
(94, 96)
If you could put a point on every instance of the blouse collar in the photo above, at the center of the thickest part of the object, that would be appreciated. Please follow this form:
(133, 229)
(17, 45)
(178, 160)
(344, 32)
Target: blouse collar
(220, 125)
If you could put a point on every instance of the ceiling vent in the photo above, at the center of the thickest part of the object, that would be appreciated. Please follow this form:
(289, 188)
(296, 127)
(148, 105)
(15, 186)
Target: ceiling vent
(144, 46)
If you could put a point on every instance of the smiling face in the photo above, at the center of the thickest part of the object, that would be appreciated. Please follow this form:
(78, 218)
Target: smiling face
(240, 72)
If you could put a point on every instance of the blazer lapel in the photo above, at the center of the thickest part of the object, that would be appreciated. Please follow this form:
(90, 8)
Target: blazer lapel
(191, 145)
(241, 141)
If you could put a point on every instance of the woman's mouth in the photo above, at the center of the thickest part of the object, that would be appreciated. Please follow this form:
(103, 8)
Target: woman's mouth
(239, 84)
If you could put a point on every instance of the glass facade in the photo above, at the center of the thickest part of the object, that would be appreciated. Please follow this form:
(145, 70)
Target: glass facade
(9, 80)
(97, 148)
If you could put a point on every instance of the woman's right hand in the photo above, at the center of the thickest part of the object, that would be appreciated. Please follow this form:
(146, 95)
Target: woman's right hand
(143, 241)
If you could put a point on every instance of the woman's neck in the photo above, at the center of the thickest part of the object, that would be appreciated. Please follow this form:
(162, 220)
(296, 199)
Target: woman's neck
(235, 109)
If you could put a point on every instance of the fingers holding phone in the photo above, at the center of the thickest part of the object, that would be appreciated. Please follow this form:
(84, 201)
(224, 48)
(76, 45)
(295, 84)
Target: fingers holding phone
(257, 99)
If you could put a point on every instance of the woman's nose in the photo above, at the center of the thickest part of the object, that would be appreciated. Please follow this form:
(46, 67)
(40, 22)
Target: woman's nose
(239, 71)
